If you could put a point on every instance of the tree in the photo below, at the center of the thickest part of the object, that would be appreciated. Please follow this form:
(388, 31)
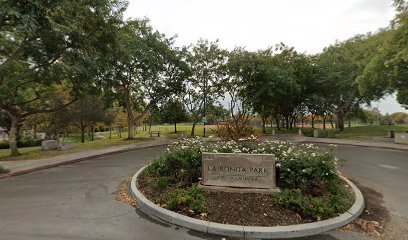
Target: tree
(340, 71)
(386, 58)
(153, 117)
(49, 43)
(85, 113)
(271, 83)
(173, 111)
(216, 113)
(400, 117)
(206, 61)
(143, 70)
(109, 118)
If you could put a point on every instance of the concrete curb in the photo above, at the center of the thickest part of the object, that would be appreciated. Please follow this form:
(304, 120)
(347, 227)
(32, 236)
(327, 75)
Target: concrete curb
(16, 173)
(248, 232)
(355, 145)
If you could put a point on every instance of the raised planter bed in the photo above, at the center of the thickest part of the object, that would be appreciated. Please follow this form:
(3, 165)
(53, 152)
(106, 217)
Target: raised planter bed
(290, 231)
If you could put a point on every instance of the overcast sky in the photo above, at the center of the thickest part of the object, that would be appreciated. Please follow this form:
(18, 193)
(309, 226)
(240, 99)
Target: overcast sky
(308, 25)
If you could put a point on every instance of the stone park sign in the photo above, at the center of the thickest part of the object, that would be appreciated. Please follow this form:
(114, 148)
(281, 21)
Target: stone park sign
(239, 172)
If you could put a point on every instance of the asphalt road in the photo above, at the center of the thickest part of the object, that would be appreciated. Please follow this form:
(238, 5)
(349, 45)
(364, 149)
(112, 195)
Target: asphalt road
(78, 201)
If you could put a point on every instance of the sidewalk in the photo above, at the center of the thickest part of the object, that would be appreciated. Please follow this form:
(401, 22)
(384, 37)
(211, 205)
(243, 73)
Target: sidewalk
(25, 166)
(371, 143)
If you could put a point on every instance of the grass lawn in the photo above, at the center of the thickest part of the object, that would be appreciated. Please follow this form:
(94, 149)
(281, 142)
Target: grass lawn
(368, 132)
(31, 153)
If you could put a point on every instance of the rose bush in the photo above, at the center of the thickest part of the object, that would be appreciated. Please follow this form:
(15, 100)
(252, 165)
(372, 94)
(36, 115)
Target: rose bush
(307, 175)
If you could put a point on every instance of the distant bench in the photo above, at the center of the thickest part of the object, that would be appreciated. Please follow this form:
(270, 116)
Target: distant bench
(154, 133)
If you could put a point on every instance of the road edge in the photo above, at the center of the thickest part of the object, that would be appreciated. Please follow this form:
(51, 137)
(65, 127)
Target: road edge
(53, 165)
(354, 145)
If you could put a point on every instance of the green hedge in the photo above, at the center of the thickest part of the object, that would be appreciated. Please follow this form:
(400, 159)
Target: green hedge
(308, 132)
(324, 133)
(3, 170)
(23, 143)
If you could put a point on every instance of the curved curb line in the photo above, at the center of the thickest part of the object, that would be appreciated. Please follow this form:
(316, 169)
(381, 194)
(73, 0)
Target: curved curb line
(356, 145)
(77, 160)
(248, 232)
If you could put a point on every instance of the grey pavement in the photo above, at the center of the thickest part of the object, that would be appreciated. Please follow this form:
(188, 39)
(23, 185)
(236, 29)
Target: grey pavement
(24, 165)
(382, 175)
(77, 201)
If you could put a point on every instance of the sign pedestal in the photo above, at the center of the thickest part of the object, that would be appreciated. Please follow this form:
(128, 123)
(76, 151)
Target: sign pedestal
(239, 172)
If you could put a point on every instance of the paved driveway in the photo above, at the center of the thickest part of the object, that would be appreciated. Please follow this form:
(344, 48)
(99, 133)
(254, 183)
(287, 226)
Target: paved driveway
(77, 201)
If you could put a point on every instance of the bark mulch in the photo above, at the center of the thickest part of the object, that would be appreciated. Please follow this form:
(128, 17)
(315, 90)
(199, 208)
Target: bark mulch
(249, 209)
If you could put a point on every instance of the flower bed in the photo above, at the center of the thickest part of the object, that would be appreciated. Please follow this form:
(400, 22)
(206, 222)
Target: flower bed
(311, 186)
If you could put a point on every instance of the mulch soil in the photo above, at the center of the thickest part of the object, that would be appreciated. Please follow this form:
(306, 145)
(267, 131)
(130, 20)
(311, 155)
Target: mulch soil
(249, 209)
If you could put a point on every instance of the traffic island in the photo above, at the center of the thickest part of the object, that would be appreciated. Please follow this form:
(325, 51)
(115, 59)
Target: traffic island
(248, 232)
(168, 189)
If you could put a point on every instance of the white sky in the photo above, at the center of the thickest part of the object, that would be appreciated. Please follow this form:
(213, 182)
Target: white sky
(308, 25)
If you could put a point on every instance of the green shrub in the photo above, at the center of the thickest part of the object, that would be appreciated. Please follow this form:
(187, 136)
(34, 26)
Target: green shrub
(191, 199)
(23, 143)
(306, 174)
(323, 133)
(162, 183)
(180, 165)
(309, 171)
(329, 205)
(299, 166)
(3, 170)
(308, 132)
(331, 133)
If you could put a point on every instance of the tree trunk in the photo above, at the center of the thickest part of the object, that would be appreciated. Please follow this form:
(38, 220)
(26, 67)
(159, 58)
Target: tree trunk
(340, 120)
(349, 122)
(290, 123)
(277, 123)
(313, 117)
(13, 136)
(110, 131)
(263, 125)
(287, 122)
(324, 122)
(92, 132)
(193, 128)
(303, 121)
(130, 128)
(82, 134)
(331, 122)
(175, 127)
(35, 131)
